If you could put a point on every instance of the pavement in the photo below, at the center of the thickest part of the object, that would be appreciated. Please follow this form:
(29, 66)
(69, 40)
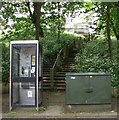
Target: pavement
(54, 107)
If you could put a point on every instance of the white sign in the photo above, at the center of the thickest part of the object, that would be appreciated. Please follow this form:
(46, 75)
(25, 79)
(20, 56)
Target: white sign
(73, 78)
(33, 70)
(29, 93)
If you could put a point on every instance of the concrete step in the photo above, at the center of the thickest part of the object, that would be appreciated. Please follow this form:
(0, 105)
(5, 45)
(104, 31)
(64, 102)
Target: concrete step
(60, 84)
(69, 70)
(59, 81)
(59, 88)
(46, 75)
(55, 78)
(59, 76)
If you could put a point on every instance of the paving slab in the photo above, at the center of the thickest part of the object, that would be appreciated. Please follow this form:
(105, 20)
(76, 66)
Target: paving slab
(53, 107)
(53, 110)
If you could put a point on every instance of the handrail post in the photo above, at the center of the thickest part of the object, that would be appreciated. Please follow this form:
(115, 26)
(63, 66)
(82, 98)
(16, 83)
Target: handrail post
(58, 62)
(56, 66)
(52, 78)
(65, 52)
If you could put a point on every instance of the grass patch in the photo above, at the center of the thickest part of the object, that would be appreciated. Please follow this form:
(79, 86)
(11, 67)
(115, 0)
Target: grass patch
(42, 109)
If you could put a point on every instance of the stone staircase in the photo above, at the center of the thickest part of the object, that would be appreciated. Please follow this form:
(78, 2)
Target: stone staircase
(46, 75)
(59, 76)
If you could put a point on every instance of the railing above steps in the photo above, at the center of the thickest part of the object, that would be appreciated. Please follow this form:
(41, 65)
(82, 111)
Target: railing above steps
(61, 57)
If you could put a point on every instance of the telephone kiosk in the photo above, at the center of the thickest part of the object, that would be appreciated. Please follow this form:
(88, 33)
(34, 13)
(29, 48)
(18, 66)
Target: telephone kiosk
(25, 73)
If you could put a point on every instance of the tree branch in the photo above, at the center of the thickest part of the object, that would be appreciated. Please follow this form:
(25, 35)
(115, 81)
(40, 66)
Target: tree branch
(114, 29)
(0, 5)
(31, 14)
(28, 5)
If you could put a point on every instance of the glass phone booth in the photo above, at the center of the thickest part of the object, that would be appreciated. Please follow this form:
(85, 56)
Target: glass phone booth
(25, 73)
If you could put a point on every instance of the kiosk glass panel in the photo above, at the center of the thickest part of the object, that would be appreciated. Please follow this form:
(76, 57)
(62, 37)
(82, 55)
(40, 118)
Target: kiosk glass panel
(16, 60)
(24, 93)
(24, 61)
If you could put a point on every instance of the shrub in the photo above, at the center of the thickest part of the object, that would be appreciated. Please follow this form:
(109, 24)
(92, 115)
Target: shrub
(51, 45)
(5, 62)
(95, 58)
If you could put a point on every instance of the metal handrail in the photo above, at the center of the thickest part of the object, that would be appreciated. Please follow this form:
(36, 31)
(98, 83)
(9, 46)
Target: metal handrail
(61, 56)
(53, 69)
(55, 63)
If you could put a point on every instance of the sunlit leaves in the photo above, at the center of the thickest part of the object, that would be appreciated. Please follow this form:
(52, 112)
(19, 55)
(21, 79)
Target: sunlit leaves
(95, 59)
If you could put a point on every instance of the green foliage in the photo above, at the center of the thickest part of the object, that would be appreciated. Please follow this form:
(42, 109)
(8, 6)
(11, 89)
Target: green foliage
(5, 62)
(50, 16)
(115, 18)
(51, 44)
(100, 8)
(95, 58)
(22, 30)
(0, 62)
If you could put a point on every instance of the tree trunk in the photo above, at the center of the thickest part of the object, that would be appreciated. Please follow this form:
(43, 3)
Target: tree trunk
(115, 32)
(108, 30)
(36, 16)
(58, 23)
(0, 5)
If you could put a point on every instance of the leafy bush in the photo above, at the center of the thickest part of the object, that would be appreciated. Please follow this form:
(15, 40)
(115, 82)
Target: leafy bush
(51, 44)
(0, 62)
(95, 58)
(5, 62)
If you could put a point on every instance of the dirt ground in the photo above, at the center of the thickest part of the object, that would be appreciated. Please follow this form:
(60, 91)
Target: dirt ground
(53, 106)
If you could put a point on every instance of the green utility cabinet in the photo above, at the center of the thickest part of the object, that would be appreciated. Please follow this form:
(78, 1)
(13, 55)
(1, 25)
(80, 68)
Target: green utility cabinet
(88, 88)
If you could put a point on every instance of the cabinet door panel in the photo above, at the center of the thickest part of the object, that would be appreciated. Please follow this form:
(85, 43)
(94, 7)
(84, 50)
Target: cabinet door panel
(101, 87)
(76, 89)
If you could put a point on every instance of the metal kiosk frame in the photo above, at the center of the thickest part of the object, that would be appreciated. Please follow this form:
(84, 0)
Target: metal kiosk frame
(25, 82)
